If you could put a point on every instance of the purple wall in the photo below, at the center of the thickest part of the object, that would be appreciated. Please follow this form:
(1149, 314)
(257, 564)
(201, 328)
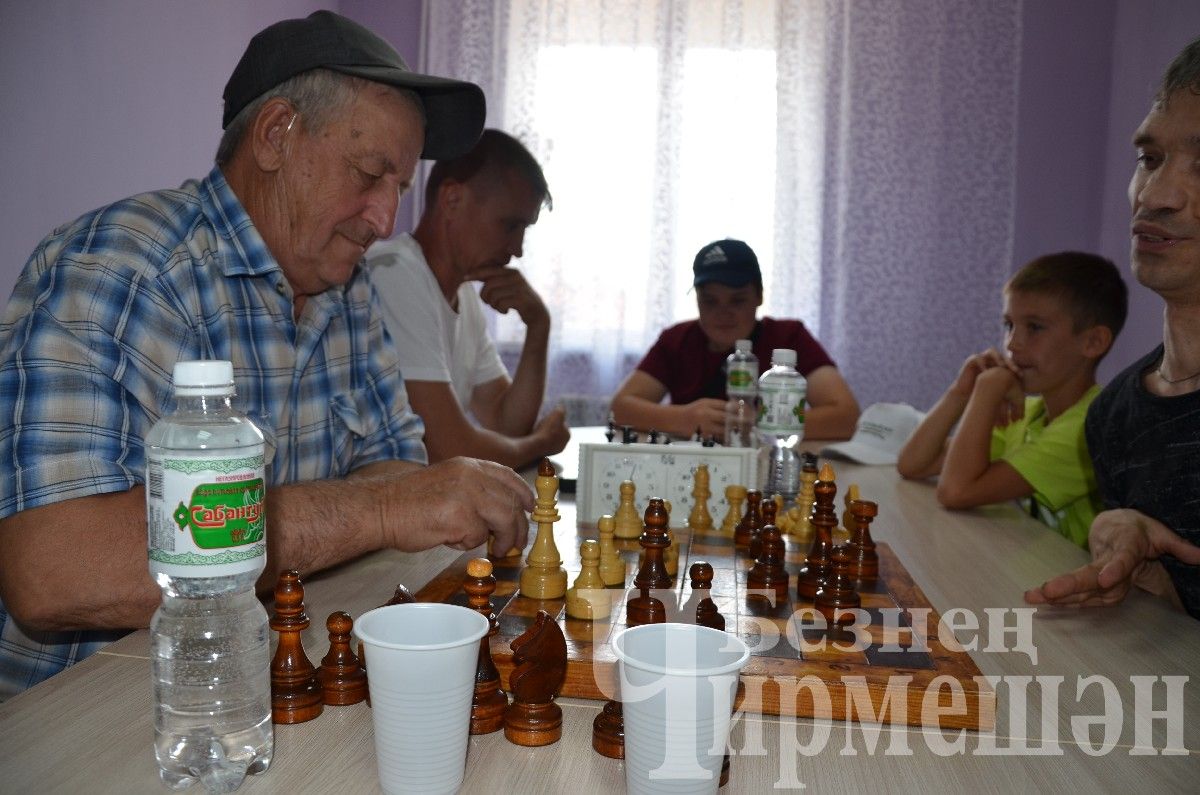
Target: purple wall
(1059, 187)
(100, 100)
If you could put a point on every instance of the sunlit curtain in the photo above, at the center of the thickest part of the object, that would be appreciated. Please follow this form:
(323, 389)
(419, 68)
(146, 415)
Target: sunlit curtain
(864, 150)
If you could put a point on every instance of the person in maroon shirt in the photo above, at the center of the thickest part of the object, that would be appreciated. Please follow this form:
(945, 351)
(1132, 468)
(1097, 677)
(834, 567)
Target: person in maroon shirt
(687, 362)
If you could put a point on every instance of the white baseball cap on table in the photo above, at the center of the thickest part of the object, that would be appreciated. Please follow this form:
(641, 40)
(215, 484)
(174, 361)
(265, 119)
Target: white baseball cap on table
(882, 430)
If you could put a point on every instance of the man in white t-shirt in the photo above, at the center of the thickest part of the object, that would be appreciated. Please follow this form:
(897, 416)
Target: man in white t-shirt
(477, 208)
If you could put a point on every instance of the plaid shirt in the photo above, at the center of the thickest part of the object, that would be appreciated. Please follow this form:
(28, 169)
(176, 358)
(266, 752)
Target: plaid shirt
(103, 310)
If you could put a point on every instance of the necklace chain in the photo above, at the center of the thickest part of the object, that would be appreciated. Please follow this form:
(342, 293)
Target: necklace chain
(1177, 380)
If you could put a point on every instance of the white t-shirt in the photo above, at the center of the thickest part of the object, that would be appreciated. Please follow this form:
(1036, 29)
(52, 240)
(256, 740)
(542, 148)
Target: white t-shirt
(434, 342)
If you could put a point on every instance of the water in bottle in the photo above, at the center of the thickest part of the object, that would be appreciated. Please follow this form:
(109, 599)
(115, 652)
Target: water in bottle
(782, 392)
(205, 510)
(741, 390)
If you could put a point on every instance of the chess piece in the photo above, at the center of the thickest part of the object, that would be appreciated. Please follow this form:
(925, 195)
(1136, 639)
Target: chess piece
(670, 555)
(296, 694)
(751, 521)
(543, 576)
(343, 680)
(824, 518)
(401, 596)
(628, 435)
(587, 598)
(612, 565)
(836, 598)
(612, 429)
(864, 561)
(608, 731)
(540, 666)
(653, 436)
(706, 613)
(768, 572)
(804, 500)
(489, 702)
(767, 513)
(700, 519)
(644, 608)
(628, 523)
(736, 497)
(851, 495)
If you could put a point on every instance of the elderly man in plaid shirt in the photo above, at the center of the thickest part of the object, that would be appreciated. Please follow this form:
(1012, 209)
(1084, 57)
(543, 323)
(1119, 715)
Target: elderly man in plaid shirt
(260, 263)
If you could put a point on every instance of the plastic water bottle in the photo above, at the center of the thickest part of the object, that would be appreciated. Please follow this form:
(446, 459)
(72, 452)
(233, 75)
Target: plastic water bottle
(782, 393)
(741, 391)
(205, 511)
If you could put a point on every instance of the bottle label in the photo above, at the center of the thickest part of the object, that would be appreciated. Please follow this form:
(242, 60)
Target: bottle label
(742, 379)
(206, 515)
(780, 409)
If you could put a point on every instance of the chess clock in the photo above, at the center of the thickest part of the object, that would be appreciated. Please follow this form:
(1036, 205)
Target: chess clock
(666, 471)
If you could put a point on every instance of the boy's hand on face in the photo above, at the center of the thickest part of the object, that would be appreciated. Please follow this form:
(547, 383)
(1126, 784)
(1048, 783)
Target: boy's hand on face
(973, 367)
(1002, 384)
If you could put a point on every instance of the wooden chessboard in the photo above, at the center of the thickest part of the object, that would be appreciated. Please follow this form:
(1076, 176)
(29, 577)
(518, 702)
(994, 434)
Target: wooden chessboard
(888, 673)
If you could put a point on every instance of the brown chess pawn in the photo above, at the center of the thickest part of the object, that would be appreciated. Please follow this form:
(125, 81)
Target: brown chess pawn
(608, 731)
(540, 666)
(645, 608)
(295, 691)
(836, 597)
(744, 533)
(489, 701)
(343, 680)
(864, 561)
(768, 512)
(701, 608)
(768, 572)
(824, 518)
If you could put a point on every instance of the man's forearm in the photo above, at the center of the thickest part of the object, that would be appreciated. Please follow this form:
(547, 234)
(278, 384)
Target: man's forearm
(522, 400)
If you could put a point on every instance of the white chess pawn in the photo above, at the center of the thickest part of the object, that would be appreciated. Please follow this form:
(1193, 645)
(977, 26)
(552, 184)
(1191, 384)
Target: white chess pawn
(612, 565)
(628, 524)
(588, 599)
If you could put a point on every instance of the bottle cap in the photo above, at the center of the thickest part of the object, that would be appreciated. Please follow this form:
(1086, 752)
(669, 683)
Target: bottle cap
(783, 356)
(742, 346)
(205, 377)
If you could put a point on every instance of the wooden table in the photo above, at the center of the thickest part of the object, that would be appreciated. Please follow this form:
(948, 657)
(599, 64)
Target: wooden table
(91, 728)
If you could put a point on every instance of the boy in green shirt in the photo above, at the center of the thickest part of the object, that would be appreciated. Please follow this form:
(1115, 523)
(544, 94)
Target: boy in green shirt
(1020, 416)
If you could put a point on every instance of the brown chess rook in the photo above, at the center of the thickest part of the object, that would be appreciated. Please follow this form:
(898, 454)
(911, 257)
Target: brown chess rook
(296, 694)
(489, 701)
(864, 561)
(824, 518)
(748, 528)
(540, 660)
(705, 609)
(343, 680)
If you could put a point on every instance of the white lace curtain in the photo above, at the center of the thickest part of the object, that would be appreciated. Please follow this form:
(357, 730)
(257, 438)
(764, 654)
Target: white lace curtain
(864, 149)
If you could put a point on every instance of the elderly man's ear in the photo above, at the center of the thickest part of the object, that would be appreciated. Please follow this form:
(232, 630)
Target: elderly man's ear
(271, 133)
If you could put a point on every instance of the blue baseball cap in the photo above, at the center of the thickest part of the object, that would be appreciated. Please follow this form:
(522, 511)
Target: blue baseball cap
(729, 262)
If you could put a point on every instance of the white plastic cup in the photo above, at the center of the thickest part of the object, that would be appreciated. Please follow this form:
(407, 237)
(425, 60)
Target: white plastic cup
(421, 660)
(678, 682)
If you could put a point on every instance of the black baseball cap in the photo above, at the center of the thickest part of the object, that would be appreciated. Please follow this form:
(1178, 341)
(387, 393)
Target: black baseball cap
(454, 109)
(729, 262)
